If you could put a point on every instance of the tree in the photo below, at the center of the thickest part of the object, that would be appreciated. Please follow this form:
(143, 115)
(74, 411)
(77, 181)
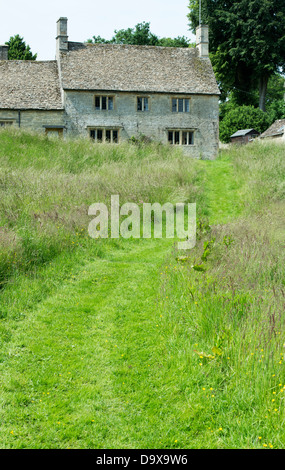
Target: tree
(243, 117)
(180, 41)
(18, 50)
(141, 35)
(247, 42)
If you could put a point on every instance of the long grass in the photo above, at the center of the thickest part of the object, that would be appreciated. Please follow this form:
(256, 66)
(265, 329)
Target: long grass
(47, 186)
(126, 343)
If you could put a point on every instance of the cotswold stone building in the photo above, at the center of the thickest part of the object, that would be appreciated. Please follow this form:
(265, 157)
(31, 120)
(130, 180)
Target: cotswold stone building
(111, 92)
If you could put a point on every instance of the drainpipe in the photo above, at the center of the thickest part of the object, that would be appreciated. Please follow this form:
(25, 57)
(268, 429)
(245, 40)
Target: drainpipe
(19, 118)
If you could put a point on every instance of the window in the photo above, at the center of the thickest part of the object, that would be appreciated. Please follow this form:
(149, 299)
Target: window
(104, 103)
(54, 132)
(179, 137)
(181, 105)
(5, 123)
(142, 104)
(104, 135)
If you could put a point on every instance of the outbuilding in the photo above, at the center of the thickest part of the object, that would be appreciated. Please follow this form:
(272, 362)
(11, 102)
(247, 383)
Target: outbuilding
(244, 136)
(275, 131)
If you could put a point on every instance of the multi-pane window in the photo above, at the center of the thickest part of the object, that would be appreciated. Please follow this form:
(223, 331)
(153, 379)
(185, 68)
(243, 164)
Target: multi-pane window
(180, 105)
(142, 104)
(105, 103)
(6, 123)
(105, 135)
(181, 137)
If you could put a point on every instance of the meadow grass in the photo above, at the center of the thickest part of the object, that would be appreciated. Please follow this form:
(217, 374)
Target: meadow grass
(124, 343)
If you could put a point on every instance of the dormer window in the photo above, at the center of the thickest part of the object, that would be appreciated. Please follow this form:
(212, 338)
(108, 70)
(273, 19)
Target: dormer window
(104, 103)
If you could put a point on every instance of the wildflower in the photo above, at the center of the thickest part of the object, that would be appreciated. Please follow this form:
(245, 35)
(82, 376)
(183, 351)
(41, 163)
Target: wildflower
(259, 437)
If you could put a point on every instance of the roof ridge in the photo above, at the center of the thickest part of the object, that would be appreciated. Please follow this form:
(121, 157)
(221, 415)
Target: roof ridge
(90, 44)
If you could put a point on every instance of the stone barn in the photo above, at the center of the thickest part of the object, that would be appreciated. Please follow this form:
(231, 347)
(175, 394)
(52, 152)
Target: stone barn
(111, 93)
(276, 131)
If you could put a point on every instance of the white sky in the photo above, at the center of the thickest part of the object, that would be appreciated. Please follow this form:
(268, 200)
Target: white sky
(35, 20)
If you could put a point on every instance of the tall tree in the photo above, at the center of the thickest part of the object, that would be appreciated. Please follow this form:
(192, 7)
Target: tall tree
(141, 35)
(19, 50)
(247, 41)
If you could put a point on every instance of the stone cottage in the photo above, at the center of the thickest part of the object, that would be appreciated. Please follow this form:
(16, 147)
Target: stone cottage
(111, 92)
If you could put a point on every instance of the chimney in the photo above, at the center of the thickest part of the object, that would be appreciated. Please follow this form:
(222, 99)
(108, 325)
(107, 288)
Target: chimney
(62, 38)
(4, 52)
(202, 40)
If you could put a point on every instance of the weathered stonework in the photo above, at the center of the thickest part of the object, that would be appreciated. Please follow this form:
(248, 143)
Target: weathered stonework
(155, 123)
(35, 120)
(60, 95)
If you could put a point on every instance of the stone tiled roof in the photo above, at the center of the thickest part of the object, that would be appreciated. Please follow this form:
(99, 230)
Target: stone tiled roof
(115, 67)
(29, 85)
(276, 129)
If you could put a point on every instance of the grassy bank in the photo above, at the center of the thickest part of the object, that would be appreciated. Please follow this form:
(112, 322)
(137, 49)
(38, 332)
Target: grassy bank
(121, 343)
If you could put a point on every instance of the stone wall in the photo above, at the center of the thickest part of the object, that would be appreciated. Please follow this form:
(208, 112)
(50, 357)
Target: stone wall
(80, 115)
(33, 119)
(202, 118)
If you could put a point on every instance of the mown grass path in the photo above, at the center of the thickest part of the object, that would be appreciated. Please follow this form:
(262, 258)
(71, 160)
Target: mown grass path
(223, 191)
(92, 365)
(82, 368)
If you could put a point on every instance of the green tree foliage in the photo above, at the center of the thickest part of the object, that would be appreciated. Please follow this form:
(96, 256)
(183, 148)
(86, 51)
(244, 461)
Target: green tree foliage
(242, 117)
(141, 35)
(180, 41)
(247, 42)
(19, 50)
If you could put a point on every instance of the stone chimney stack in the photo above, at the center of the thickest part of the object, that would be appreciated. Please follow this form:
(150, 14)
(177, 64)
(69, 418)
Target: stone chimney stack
(202, 40)
(4, 52)
(62, 38)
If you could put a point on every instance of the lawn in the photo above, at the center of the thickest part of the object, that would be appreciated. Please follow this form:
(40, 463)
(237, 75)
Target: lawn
(123, 343)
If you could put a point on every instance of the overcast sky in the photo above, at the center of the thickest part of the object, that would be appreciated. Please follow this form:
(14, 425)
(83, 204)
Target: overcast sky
(35, 20)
